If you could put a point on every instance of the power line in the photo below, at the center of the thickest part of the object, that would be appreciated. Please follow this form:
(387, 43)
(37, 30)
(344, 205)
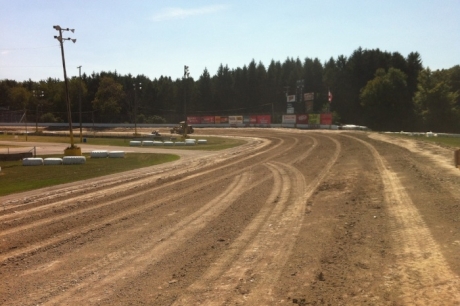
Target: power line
(32, 48)
(27, 66)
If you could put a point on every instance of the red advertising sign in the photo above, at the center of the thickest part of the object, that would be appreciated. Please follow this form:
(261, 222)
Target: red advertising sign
(263, 119)
(302, 119)
(253, 119)
(194, 120)
(326, 118)
(207, 119)
(224, 119)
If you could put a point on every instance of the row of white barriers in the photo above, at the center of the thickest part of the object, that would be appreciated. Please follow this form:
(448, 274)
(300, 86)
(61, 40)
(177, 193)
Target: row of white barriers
(70, 160)
(147, 143)
(109, 154)
(66, 160)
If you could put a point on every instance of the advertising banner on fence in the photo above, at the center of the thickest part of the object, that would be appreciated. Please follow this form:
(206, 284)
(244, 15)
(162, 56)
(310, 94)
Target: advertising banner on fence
(250, 120)
(220, 119)
(235, 119)
(314, 119)
(289, 118)
(302, 119)
(193, 119)
(263, 119)
(207, 119)
(326, 118)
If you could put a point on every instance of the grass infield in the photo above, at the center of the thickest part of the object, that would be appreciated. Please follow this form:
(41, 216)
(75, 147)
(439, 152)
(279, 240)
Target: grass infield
(213, 143)
(14, 177)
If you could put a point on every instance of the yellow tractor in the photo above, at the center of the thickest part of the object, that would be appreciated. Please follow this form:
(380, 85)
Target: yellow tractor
(180, 129)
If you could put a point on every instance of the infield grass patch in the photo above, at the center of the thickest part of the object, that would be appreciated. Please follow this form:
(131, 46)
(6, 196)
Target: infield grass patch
(14, 177)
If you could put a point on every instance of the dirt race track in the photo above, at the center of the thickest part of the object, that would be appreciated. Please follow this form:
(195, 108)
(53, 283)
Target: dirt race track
(293, 217)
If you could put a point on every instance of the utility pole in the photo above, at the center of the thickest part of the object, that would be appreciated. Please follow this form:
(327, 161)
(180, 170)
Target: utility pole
(79, 102)
(69, 114)
(37, 94)
(25, 118)
(139, 87)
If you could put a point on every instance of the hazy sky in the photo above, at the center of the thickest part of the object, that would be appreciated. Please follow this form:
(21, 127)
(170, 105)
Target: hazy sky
(157, 38)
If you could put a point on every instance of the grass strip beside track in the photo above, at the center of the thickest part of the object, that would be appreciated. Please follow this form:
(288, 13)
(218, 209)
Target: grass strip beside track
(213, 143)
(14, 177)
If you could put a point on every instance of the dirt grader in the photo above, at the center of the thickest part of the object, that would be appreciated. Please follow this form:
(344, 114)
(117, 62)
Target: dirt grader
(180, 129)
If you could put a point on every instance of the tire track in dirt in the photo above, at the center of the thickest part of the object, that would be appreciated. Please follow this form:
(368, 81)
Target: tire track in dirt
(421, 273)
(123, 266)
(112, 263)
(137, 184)
(119, 265)
(109, 218)
(187, 164)
(249, 273)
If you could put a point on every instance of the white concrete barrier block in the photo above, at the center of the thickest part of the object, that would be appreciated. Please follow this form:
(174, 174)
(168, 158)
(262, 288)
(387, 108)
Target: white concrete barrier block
(99, 154)
(202, 141)
(116, 154)
(52, 161)
(32, 161)
(73, 160)
(135, 143)
(147, 143)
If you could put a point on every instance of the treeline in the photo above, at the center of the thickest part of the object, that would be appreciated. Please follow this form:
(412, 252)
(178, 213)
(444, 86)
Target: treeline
(382, 90)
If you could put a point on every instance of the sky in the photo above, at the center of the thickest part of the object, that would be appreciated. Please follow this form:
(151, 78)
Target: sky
(158, 37)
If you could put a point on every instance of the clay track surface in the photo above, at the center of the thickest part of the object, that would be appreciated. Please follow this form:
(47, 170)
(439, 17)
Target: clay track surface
(293, 217)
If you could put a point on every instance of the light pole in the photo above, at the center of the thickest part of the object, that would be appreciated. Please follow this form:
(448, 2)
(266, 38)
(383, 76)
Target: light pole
(25, 118)
(79, 101)
(136, 88)
(37, 94)
(69, 115)
(186, 76)
(300, 86)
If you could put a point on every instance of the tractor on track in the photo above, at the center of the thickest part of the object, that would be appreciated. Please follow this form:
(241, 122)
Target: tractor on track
(180, 129)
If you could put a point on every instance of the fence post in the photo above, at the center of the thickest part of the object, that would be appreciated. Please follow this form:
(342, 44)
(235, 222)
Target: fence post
(457, 158)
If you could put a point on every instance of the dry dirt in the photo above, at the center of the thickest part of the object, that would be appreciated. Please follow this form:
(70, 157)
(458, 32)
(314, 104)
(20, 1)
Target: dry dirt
(293, 217)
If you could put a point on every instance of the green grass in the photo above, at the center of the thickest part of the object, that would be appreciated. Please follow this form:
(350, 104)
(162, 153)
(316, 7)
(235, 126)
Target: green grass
(213, 143)
(17, 178)
(14, 177)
